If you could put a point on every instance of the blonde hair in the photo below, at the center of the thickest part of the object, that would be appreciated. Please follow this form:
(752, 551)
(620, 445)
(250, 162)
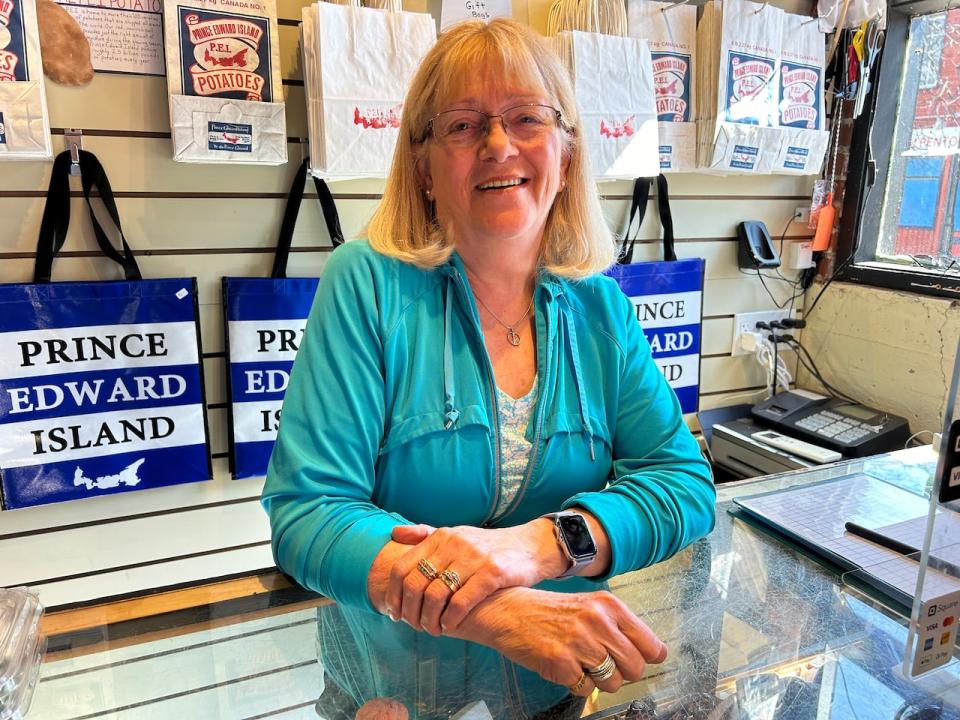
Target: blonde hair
(576, 240)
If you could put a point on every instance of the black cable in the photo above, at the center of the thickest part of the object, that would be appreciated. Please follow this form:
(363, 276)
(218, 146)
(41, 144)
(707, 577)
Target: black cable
(826, 284)
(813, 369)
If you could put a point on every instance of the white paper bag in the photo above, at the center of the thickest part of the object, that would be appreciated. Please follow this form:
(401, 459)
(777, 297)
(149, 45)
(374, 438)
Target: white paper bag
(367, 58)
(800, 94)
(613, 78)
(231, 131)
(223, 64)
(752, 37)
(24, 125)
(671, 34)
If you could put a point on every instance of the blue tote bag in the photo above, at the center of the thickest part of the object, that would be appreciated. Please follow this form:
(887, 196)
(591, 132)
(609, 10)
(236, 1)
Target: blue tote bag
(265, 319)
(100, 382)
(667, 296)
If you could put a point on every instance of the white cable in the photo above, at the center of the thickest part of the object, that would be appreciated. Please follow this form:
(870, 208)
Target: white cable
(778, 376)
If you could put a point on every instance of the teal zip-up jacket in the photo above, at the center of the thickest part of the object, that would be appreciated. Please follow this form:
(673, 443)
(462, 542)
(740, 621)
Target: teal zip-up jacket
(390, 417)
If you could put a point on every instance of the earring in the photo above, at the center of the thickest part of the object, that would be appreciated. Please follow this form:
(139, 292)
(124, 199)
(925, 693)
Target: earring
(429, 193)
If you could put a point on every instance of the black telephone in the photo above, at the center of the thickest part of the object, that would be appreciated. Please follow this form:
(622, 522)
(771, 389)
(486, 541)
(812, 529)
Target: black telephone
(850, 429)
(754, 247)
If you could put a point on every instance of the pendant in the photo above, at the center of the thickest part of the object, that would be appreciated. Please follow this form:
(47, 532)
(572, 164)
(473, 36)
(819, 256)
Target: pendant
(513, 337)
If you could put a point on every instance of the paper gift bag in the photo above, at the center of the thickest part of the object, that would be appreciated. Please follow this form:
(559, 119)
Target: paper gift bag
(751, 44)
(100, 382)
(800, 92)
(671, 33)
(223, 78)
(667, 296)
(265, 319)
(24, 125)
(617, 109)
(367, 58)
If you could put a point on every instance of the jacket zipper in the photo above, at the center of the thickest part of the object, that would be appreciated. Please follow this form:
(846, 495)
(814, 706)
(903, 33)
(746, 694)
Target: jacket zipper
(535, 448)
(495, 419)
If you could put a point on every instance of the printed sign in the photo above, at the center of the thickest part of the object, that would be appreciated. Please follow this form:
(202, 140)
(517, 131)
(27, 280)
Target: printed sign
(800, 96)
(671, 83)
(99, 390)
(751, 91)
(744, 157)
(265, 324)
(796, 158)
(3, 131)
(225, 55)
(13, 42)
(232, 137)
(667, 299)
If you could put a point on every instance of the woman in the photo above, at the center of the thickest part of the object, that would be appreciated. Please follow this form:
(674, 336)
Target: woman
(467, 369)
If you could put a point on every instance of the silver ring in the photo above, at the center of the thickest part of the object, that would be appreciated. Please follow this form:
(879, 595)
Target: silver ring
(427, 570)
(603, 671)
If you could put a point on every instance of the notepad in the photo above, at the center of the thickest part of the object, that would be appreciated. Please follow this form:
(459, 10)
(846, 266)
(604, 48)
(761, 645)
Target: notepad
(814, 515)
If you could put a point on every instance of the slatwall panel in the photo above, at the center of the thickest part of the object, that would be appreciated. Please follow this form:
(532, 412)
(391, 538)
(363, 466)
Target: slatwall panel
(212, 221)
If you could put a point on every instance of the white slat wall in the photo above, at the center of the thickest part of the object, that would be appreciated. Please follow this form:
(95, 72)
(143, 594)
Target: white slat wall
(210, 221)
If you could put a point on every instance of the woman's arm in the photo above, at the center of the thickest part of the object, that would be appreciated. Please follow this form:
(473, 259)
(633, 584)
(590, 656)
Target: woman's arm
(326, 533)
(556, 635)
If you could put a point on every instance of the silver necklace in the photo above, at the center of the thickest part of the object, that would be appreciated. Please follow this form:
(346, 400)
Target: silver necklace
(513, 337)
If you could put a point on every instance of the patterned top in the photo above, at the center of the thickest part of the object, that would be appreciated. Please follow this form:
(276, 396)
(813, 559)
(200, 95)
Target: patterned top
(515, 414)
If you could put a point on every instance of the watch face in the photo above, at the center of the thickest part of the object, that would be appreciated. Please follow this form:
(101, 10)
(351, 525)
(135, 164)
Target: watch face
(576, 532)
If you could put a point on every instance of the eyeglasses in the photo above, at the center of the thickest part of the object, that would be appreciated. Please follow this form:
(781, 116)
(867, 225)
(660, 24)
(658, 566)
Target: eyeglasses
(465, 128)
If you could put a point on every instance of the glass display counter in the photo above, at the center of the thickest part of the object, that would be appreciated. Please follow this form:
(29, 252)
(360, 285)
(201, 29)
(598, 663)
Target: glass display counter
(756, 630)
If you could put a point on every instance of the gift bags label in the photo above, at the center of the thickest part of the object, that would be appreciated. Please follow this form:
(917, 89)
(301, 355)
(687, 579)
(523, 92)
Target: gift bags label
(24, 125)
(265, 323)
(223, 76)
(359, 63)
(100, 390)
(671, 34)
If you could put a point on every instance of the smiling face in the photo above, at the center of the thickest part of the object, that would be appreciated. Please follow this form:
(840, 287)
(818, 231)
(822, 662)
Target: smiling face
(500, 188)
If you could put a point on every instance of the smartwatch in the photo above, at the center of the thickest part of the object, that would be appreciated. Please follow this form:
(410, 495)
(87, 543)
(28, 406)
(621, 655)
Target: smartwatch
(575, 539)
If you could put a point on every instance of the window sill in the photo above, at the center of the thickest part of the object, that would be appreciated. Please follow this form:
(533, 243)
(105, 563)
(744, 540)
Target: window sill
(905, 278)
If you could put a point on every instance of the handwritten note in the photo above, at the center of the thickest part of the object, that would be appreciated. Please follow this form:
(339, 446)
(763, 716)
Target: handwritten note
(125, 36)
(453, 11)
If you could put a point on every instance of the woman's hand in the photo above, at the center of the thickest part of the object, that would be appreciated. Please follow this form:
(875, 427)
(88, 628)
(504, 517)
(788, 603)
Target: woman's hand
(486, 560)
(559, 635)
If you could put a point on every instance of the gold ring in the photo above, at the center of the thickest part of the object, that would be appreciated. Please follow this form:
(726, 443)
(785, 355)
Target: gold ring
(575, 688)
(451, 579)
(603, 671)
(428, 570)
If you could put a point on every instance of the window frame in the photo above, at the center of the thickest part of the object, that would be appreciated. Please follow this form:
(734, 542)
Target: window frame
(868, 166)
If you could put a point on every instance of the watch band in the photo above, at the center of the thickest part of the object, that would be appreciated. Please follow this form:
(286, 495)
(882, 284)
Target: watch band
(576, 562)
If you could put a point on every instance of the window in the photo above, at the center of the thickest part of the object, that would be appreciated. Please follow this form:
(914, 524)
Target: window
(901, 217)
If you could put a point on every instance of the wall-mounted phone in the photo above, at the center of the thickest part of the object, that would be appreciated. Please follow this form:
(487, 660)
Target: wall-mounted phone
(850, 429)
(755, 248)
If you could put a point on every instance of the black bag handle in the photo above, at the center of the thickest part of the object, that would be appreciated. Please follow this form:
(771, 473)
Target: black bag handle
(56, 216)
(330, 216)
(638, 209)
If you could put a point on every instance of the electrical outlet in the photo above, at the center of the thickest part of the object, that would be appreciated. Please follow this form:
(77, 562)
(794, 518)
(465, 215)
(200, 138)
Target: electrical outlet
(802, 215)
(747, 322)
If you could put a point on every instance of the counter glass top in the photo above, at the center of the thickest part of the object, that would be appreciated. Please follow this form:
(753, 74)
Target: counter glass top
(755, 630)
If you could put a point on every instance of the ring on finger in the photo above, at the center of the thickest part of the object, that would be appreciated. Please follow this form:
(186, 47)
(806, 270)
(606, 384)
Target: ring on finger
(603, 671)
(451, 578)
(427, 569)
(578, 685)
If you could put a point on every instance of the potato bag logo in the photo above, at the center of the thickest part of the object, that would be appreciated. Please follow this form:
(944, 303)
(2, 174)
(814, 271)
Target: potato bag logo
(751, 96)
(13, 42)
(377, 118)
(225, 55)
(799, 96)
(671, 85)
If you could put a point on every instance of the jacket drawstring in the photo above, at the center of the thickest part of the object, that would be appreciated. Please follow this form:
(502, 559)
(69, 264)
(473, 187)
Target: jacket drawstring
(578, 380)
(450, 411)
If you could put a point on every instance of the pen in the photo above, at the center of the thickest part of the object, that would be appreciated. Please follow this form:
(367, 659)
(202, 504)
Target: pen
(900, 547)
